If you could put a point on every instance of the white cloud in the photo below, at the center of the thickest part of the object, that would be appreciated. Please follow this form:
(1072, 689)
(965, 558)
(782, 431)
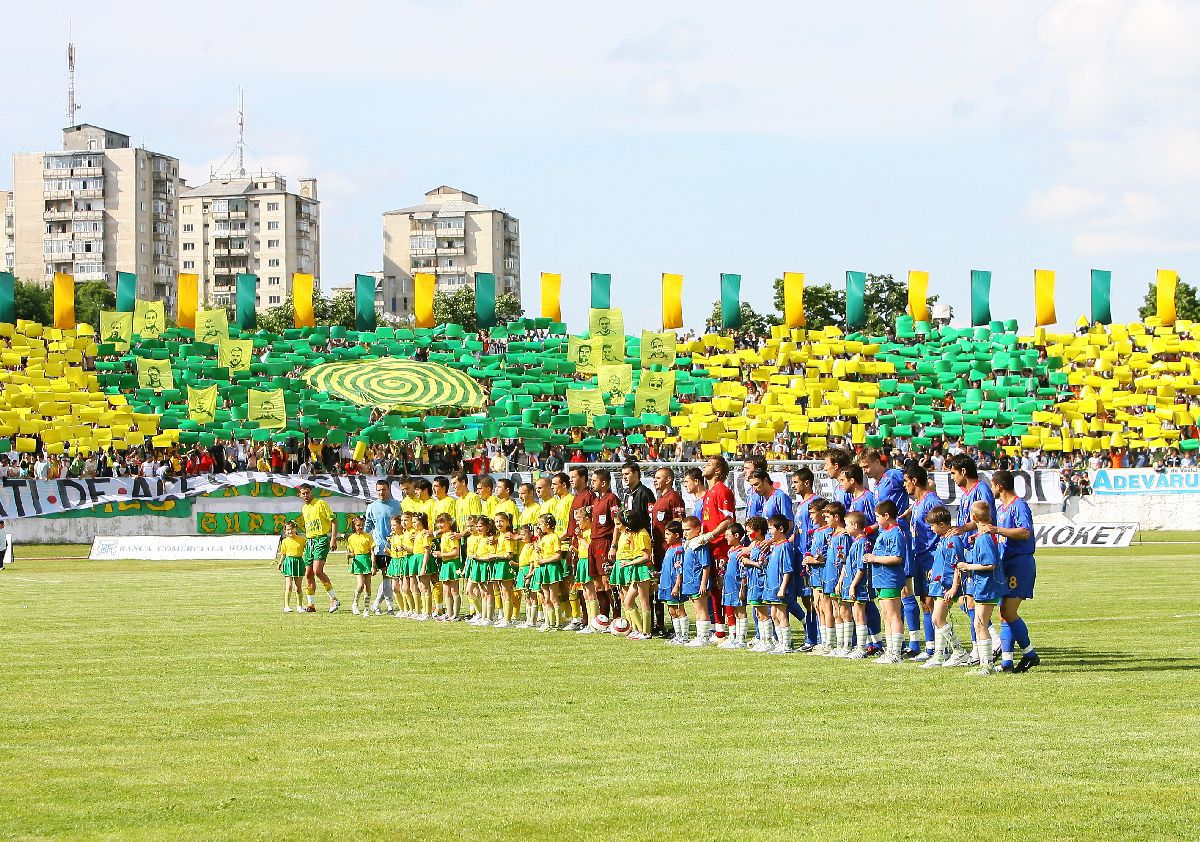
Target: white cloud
(674, 42)
(1064, 203)
(670, 92)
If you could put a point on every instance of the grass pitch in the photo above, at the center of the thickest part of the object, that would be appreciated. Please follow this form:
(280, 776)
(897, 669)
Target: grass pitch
(151, 700)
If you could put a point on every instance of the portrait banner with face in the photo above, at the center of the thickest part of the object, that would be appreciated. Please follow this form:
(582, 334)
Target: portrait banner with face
(589, 402)
(581, 352)
(654, 393)
(267, 408)
(149, 319)
(116, 329)
(658, 349)
(212, 326)
(607, 324)
(236, 354)
(616, 381)
(155, 374)
(202, 404)
(608, 350)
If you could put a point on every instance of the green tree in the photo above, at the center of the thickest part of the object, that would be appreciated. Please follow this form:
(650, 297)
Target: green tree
(884, 297)
(90, 298)
(338, 310)
(34, 302)
(755, 325)
(1187, 304)
(458, 308)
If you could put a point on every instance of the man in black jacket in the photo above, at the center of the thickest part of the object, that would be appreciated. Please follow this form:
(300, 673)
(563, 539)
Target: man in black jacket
(636, 498)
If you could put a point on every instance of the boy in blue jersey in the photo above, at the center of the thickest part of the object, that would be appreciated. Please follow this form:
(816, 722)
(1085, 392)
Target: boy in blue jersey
(916, 484)
(697, 564)
(670, 582)
(945, 586)
(837, 547)
(733, 594)
(965, 475)
(890, 485)
(779, 582)
(888, 561)
(814, 565)
(862, 500)
(802, 531)
(987, 582)
(855, 582)
(755, 562)
(1014, 527)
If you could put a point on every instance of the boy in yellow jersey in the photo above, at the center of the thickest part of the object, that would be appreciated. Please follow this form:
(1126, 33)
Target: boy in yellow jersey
(421, 564)
(527, 564)
(291, 564)
(503, 501)
(360, 547)
(397, 570)
(320, 533)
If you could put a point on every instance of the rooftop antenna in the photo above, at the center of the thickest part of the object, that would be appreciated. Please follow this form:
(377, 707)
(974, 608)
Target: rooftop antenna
(241, 144)
(72, 107)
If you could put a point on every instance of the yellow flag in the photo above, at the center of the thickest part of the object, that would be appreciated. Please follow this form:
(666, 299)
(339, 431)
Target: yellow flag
(606, 324)
(658, 349)
(189, 299)
(793, 299)
(654, 393)
(303, 287)
(235, 354)
(149, 319)
(608, 350)
(116, 329)
(202, 404)
(589, 402)
(423, 286)
(212, 326)
(581, 352)
(267, 408)
(64, 301)
(154, 374)
(1043, 297)
(551, 289)
(918, 295)
(672, 301)
(1165, 293)
(616, 381)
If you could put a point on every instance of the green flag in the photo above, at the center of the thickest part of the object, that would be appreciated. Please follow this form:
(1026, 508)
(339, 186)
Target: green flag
(247, 289)
(731, 301)
(485, 299)
(364, 302)
(601, 291)
(856, 305)
(126, 291)
(981, 297)
(8, 298)
(1102, 296)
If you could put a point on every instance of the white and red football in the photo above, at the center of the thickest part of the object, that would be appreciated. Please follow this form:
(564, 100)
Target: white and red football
(620, 626)
(600, 622)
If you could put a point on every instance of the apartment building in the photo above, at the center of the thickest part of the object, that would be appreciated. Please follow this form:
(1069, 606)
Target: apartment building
(452, 235)
(7, 243)
(249, 224)
(97, 207)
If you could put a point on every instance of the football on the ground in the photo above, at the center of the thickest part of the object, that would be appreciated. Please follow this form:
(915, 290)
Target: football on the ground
(600, 622)
(620, 626)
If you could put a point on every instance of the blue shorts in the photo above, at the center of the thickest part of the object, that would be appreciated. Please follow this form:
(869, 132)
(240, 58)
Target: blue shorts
(733, 598)
(937, 589)
(814, 578)
(860, 595)
(986, 591)
(922, 566)
(1020, 572)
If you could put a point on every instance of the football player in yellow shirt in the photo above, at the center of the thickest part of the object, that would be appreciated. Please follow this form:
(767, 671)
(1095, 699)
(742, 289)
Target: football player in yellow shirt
(321, 534)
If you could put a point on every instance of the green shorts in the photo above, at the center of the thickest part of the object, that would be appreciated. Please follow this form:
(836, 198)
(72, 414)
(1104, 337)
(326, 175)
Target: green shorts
(550, 573)
(887, 593)
(449, 570)
(361, 564)
(629, 572)
(293, 565)
(502, 570)
(582, 576)
(316, 549)
(397, 566)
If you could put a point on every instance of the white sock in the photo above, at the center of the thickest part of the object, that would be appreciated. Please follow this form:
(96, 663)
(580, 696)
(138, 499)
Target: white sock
(861, 632)
(914, 637)
(827, 635)
(703, 629)
(785, 641)
(985, 651)
(766, 631)
(719, 628)
(740, 633)
(685, 629)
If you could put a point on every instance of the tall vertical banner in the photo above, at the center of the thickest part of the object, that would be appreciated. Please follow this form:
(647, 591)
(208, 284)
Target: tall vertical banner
(1165, 293)
(918, 295)
(303, 288)
(731, 301)
(423, 286)
(601, 291)
(247, 290)
(126, 291)
(672, 301)
(364, 302)
(1043, 297)
(485, 299)
(856, 300)
(1102, 296)
(793, 299)
(64, 301)
(551, 291)
(981, 297)
(189, 299)
(8, 298)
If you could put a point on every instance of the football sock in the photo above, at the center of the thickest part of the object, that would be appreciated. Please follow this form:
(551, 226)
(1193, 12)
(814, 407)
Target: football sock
(842, 635)
(1006, 645)
(685, 627)
(506, 605)
(938, 642)
(971, 613)
(741, 630)
(634, 615)
(861, 632)
(811, 634)
(874, 621)
(719, 628)
(593, 607)
(898, 644)
(912, 618)
(766, 631)
(785, 638)
(703, 629)
(574, 598)
(1020, 633)
(827, 636)
(308, 596)
(984, 645)
(993, 632)
(930, 631)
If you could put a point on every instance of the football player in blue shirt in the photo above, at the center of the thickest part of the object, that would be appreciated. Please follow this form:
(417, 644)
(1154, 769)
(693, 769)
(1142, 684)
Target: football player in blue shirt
(855, 585)
(862, 500)
(945, 586)
(776, 501)
(754, 500)
(965, 475)
(697, 563)
(779, 581)
(889, 485)
(670, 583)
(802, 532)
(888, 561)
(916, 485)
(837, 547)
(836, 461)
(755, 563)
(1014, 526)
(987, 585)
(733, 593)
(814, 565)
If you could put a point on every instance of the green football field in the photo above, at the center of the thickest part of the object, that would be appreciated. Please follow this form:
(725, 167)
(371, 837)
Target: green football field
(151, 700)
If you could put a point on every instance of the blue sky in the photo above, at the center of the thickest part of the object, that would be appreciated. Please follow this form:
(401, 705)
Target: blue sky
(682, 137)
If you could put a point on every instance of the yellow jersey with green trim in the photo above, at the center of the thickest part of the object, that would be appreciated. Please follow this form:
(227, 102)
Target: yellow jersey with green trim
(318, 519)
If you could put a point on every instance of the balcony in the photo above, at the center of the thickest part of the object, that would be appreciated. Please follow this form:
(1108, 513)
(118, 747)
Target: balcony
(89, 248)
(58, 235)
(417, 228)
(422, 252)
(90, 276)
(450, 251)
(57, 216)
(161, 173)
(225, 271)
(88, 214)
(451, 270)
(219, 214)
(233, 251)
(237, 214)
(88, 172)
